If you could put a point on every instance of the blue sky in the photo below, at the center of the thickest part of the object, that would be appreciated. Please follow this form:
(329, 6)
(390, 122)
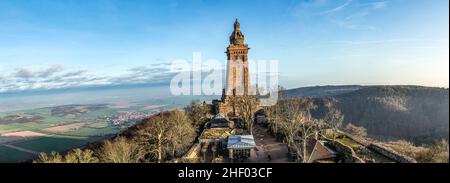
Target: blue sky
(63, 43)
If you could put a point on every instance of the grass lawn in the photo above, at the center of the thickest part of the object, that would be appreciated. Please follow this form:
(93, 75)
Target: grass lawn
(9, 155)
(351, 143)
(53, 143)
(377, 157)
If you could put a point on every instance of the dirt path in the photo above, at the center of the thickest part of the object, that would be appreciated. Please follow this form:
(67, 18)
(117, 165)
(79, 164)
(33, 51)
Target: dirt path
(20, 149)
(268, 145)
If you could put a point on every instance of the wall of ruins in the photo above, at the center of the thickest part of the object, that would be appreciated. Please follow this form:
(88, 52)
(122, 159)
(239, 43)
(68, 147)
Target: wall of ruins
(391, 154)
(348, 155)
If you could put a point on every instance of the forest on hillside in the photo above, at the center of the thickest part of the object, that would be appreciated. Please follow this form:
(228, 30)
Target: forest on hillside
(414, 113)
(391, 116)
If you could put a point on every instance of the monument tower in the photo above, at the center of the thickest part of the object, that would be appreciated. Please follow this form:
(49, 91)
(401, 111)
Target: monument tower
(237, 75)
(237, 81)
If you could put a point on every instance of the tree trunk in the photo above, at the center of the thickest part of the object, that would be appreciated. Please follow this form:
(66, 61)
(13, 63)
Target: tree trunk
(159, 148)
(173, 151)
(304, 151)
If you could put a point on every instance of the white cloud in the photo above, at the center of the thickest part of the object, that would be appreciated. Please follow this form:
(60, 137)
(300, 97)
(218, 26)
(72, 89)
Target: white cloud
(339, 8)
(358, 17)
(24, 73)
(56, 76)
(50, 71)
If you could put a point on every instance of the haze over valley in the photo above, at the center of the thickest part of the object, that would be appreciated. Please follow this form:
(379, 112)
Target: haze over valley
(31, 123)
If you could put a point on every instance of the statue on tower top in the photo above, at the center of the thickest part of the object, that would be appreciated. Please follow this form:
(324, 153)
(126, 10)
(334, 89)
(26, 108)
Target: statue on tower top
(236, 25)
(237, 38)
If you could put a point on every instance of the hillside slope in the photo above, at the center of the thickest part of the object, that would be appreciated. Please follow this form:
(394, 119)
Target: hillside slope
(416, 113)
(321, 91)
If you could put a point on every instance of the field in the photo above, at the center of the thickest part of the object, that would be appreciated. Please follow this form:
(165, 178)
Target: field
(59, 144)
(89, 131)
(10, 155)
(64, 128)
(18, 136)
(26, 133)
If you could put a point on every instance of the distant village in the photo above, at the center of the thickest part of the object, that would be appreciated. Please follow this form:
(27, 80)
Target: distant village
(126, 117)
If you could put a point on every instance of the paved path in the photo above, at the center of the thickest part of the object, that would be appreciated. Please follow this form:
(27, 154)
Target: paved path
(20, 149)
(268, 145)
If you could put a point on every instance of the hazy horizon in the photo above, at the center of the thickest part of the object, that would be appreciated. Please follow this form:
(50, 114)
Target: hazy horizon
(142, 95)
(46, 45)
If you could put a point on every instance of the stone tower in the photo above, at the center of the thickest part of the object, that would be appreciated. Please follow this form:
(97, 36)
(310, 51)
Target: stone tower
(237, 81)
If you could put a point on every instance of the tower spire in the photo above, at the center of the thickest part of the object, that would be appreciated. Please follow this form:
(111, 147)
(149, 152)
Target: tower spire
(236, 25)
(237, 38)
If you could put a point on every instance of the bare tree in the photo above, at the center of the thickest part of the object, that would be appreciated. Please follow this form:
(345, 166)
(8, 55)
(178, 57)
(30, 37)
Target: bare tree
(273, 113)
(437, 152)
(53, 157)
(74, 156)
(272, 117)
(334, 118)
(198, 113)
(166, 135)
(81, 156)
(297, 124)
(121, 150)
(181, 133)
(293, 113)
(309, 130)
(246, 106)
(154, 137)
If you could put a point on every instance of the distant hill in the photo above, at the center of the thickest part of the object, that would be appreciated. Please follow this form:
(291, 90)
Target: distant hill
(415, 113)
(321, 91)
(75, 110)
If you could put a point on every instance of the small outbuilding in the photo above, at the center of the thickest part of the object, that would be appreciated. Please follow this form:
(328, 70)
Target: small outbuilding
(219, 121)
(321, 153)
(240, 146)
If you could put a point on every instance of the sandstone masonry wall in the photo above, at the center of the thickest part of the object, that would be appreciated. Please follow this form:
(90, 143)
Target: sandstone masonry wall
(391, 154)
